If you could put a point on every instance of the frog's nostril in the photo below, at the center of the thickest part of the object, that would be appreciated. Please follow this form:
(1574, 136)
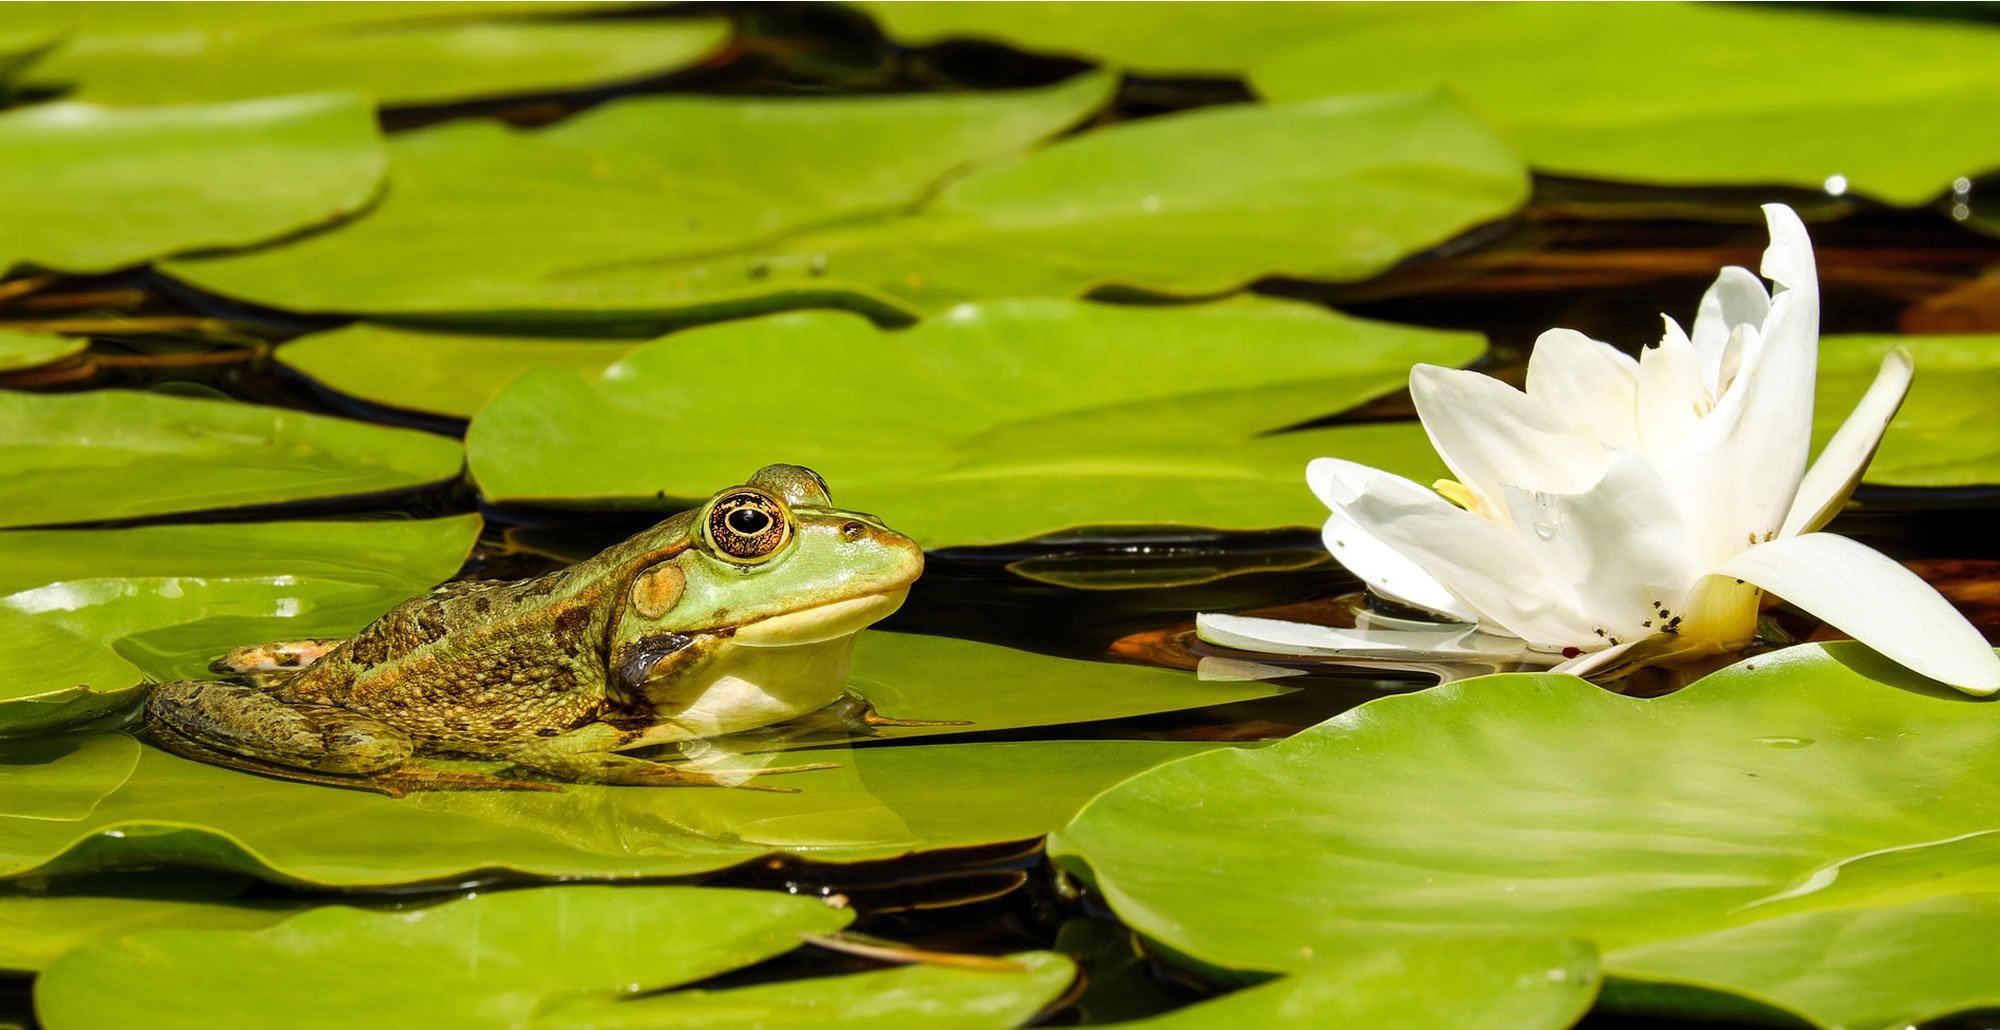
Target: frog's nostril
(852, 530)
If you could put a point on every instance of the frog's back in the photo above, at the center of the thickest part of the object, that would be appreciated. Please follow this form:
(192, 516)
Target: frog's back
(473, 668)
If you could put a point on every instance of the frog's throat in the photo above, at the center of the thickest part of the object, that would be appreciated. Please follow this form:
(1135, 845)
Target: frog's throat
(821, 623)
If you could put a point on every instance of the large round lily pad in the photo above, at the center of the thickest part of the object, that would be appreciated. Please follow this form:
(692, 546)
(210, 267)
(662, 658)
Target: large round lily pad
(1689, 93)
(881, 802)
(1771, 807)
(215, 53)
(116, 454)
(77, 178)
(493, 960)
(996, 422)
(485, 218)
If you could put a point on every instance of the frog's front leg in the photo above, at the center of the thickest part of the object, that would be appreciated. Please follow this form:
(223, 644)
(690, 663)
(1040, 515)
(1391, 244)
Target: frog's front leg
(589, 754)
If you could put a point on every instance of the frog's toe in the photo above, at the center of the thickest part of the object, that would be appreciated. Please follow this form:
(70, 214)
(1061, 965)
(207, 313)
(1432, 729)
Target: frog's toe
(282, 656)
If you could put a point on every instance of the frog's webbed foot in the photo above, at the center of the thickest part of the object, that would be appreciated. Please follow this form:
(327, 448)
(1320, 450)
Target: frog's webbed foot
(264, 666)
(859, 710)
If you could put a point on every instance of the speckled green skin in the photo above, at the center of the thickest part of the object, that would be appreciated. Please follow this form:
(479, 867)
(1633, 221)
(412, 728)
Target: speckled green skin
(663, 637)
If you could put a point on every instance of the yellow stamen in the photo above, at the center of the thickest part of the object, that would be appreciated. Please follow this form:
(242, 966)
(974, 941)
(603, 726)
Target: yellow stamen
(1454, 491)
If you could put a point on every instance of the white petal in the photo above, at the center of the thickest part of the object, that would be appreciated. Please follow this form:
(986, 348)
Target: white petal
(1383, 568)
(1777, 413)
(1702, 476)
(1874, 600)
(1277, 636)
(1591, 384)
(1839, 466)
(1737, 298)
(1481, 562)
(1619, 550)
(1672, 398)
(1492, 436)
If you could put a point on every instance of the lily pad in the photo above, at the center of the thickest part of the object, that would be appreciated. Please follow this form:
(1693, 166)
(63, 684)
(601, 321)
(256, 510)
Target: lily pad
(1074, 413)
(170, 598)
(1189, 205)
(1159, 39)
(63, 779)
(1893, 108)
(440, 373)
(1471, 984)
(1540, 804)
(40, 928)
(33, 350)
(51, 677)
(206, 176)
(487, 219)
(1945, 434)
(491, 960)
(881, 802)
(208, 58)
(913, 997)
(118, 454)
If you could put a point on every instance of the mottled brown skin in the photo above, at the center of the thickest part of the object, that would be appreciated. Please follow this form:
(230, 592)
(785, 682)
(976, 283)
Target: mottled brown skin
(636, 646)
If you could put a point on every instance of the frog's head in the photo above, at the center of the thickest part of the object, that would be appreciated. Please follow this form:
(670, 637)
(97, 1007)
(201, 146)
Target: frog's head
(772, 563)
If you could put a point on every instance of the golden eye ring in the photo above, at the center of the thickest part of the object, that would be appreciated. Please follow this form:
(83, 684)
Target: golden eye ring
(748, 527)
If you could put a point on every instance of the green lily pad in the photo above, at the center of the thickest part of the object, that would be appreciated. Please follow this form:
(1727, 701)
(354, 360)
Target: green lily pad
(881, 802)
(1781, 799)
(207, 58)
(33, 350)
(439, 373)
(206, 176)
(912, 997)
(40, 928)
(1472, 984)
(1190, 205)
(170, 598)
(118, 454)
(492, 960)
(1159, 39)
(1040, 402)
(487, 219)
(1945, 434)
(63, 779)
(51, 677)
(1888, 107)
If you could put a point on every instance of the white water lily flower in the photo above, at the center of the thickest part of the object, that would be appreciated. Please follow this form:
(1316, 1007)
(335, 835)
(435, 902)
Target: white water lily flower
(1622, 511)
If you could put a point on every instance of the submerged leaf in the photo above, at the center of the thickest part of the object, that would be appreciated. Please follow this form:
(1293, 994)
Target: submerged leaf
(116, 454)
(1076, 414)
(32, 350)
(205, 176)
(440, 373)
(1542, 804)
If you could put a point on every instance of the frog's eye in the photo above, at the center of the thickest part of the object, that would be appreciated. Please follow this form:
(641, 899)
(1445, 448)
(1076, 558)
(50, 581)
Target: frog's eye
(748, 526)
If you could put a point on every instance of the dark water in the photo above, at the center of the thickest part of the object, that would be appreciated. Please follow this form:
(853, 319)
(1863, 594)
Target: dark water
(1600, 258)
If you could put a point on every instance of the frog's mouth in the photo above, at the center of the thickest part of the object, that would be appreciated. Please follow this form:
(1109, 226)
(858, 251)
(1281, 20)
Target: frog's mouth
(825, 622)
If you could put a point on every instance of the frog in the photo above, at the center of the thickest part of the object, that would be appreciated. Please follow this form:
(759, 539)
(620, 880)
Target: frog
(738, 614)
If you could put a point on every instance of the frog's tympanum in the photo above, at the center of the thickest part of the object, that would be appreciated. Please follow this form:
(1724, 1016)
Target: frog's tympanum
(739, 614)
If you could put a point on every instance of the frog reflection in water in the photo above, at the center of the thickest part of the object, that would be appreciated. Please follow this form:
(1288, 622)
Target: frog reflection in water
(737, 615)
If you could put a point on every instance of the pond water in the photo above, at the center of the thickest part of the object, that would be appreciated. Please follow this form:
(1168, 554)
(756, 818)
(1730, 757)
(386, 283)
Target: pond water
(1593, 256)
